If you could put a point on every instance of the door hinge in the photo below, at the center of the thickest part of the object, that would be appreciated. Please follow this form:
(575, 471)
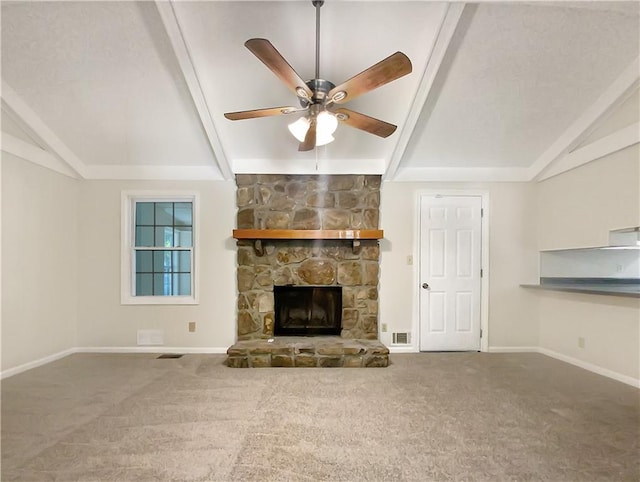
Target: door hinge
(480, 332)
(482, 212)
(481, 272)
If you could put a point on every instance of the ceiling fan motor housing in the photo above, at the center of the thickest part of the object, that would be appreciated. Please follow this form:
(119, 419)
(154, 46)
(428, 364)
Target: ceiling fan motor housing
(320, 89)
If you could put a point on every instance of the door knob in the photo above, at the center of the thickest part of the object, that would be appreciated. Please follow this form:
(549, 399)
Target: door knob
(425, 286)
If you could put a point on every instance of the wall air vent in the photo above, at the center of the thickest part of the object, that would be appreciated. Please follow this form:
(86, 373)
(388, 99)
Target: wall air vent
(401, 338)
(150, 337)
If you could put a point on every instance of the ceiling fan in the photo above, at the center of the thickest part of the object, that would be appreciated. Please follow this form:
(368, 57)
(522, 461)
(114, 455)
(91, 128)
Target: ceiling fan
(318, 97)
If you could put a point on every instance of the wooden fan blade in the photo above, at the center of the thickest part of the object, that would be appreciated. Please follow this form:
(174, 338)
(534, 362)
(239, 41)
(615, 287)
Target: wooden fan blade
(364, 122)
(310, 139)
(252, 114)
(267, 53)
(385, 71)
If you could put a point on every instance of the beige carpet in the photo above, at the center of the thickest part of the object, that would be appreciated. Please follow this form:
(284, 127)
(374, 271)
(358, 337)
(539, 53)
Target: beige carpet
(457, 416)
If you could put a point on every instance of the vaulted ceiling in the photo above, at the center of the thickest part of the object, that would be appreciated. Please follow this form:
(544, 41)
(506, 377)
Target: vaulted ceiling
(137, 90)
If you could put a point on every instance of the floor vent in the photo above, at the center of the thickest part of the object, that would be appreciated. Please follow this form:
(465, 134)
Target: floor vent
(170, 355)
(402, 338)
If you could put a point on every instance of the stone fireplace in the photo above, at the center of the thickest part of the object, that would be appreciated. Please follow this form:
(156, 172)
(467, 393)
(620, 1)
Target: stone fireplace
(343, 204)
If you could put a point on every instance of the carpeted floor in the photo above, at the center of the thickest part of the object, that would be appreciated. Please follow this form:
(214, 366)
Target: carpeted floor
(455, 416)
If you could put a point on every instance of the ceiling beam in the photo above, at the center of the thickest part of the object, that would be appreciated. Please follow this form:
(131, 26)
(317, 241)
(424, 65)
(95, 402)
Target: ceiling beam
(27, 151)
(610, 144)
(181, 51)
(438, 52)
(36, 128)
(614, 96)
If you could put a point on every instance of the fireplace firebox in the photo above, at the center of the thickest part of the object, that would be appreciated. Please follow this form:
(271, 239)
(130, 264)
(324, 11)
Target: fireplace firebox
(307, 310)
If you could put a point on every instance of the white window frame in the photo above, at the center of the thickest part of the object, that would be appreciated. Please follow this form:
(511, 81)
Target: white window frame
(127, 270)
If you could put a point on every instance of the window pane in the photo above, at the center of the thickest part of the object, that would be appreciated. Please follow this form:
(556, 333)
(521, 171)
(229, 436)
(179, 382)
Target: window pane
(161, 261)
(162, 284)
(164, 214)
(183, 237)
(164, 237)
(182, 261)
(182, 284)
(144, 262)
(183, 216)
(144, 214)
(144, 236)
(144, 284)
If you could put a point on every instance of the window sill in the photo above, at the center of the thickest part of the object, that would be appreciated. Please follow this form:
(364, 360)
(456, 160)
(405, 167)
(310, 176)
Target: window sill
(159, 300)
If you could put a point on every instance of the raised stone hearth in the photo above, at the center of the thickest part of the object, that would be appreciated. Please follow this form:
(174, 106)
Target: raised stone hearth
(308, 352)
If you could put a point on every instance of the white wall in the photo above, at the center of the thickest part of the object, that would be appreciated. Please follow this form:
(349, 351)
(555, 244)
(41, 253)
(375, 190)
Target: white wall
(513, 260)
(61, 264)
(104, 322)
(577, 209)
(39, 262)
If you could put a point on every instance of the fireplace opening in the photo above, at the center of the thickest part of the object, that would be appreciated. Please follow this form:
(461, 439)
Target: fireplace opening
(307, 310)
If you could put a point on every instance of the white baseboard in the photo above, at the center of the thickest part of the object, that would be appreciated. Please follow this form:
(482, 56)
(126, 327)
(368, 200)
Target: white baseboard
(108, 349)
(152, 349)
(402, 349)
(36, 363)
(513, 349)
(492, 349)
(634, 382)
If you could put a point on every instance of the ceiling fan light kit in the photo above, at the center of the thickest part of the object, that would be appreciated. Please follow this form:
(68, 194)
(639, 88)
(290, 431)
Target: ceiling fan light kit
(317, 96)
(326, 125)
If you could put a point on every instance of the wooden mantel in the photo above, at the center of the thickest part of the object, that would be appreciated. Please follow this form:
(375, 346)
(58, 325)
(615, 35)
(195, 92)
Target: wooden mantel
(308, 233)
(354, 235)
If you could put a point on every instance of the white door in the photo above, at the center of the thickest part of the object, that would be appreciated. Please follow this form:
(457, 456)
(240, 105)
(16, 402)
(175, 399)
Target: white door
(450, 279)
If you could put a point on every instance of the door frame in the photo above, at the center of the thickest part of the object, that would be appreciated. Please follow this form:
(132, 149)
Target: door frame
(484, 253)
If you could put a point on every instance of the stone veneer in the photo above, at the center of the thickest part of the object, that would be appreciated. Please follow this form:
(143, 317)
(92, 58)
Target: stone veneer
(308, 202)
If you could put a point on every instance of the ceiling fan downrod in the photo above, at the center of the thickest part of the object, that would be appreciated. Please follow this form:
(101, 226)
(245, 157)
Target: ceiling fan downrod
(317, 4)
(318, 86)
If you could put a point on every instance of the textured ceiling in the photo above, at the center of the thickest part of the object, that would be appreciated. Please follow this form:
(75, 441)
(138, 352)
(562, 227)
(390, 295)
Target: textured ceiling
(521, 75)
(139, 89)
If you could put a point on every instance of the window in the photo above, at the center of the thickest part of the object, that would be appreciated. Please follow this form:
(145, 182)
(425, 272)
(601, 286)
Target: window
(159, 249)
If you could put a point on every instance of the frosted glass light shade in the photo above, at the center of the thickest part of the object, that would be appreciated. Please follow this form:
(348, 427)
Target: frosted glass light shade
(299, 128)
(327, 124)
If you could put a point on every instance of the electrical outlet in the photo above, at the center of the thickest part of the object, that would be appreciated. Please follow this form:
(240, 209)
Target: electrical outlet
(409, 260)
(619, 268)
(581, 342)
(192, 326)
(384, 327)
